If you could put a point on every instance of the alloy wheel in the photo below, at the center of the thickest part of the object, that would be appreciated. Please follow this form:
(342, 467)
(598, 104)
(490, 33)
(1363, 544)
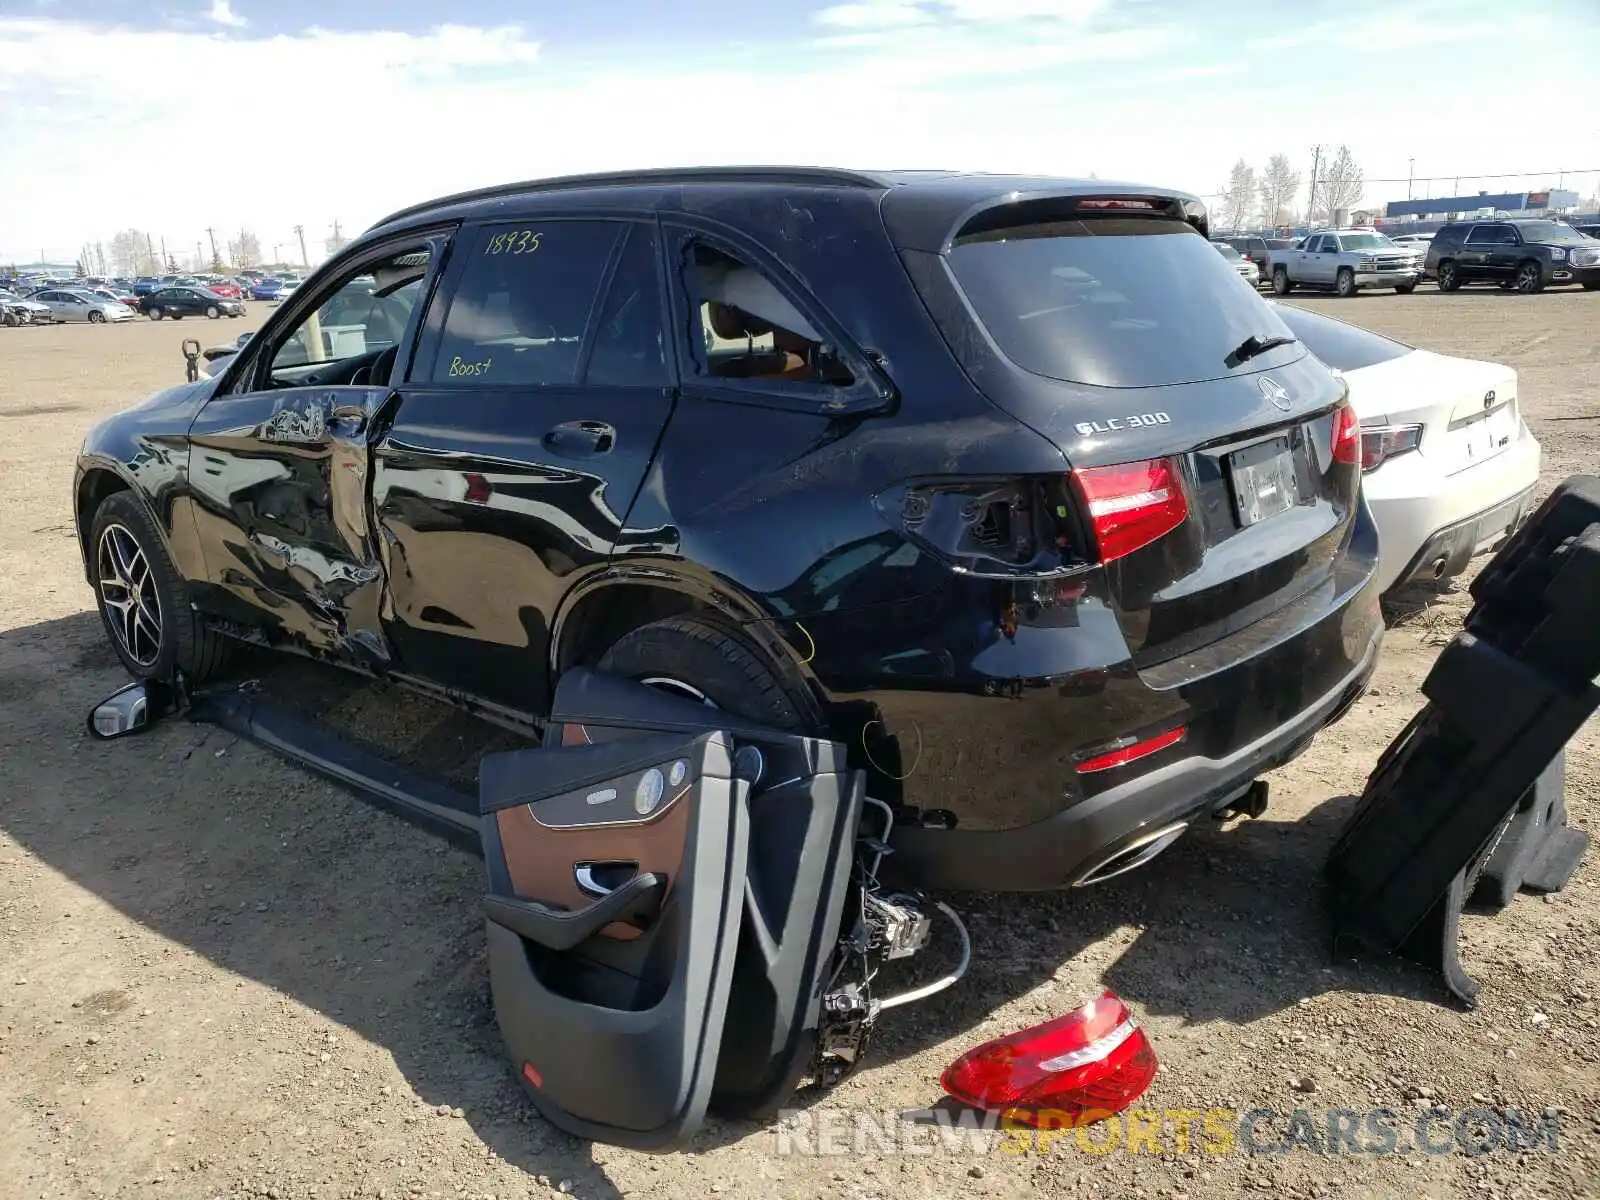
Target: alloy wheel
(677, 687)
(1528, 278)
(128, 594)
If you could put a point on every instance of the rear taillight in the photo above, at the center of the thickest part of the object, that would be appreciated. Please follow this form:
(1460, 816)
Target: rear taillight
(1380, 443)
(1087, 1065)
(1132, 504)
(1346, 436)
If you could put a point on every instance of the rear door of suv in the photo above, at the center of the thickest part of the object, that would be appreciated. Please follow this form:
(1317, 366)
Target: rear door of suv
(531, 411)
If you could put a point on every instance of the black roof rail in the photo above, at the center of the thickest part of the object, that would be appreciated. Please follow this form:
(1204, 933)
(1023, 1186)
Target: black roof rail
(796, 176)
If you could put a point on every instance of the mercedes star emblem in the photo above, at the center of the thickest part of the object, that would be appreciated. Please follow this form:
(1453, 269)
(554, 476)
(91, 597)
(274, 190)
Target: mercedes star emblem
(1274, 392)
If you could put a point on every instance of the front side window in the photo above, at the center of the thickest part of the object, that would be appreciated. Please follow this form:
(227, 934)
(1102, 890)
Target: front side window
(1111, 301)
(365, 312)
(524, 302)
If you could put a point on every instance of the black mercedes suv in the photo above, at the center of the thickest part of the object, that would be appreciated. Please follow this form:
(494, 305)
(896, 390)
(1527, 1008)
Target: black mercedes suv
(1003, 481)
(1525, 255)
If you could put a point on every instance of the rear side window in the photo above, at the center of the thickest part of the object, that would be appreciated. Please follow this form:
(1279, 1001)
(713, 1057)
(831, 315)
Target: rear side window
(1113, 301)
(524, 302)
(1342, 346)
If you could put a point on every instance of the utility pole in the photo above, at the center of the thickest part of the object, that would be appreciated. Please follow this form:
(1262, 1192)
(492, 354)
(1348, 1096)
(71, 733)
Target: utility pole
(166, 259)
(1311, 200)
(212, 234)
(1411, 165)
(150, 243)
(300, 232)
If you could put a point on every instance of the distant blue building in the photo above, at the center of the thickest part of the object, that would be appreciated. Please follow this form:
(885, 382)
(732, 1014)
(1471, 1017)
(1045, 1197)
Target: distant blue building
(1502, 202)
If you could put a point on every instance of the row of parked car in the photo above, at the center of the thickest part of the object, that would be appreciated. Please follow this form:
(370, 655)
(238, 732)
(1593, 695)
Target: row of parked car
(1521, 254)
(99, 301)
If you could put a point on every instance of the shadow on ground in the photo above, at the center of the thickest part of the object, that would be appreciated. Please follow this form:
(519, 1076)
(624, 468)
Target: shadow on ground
(276, 876)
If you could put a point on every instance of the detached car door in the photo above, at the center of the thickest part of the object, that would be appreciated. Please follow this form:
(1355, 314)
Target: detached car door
(280, 464)
(539, 392)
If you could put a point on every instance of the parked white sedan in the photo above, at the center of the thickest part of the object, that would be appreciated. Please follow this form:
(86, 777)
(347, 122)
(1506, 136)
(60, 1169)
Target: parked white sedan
(1449, 464)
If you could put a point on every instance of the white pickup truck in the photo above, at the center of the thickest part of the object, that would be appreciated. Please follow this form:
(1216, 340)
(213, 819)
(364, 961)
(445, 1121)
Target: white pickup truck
(1346, 261)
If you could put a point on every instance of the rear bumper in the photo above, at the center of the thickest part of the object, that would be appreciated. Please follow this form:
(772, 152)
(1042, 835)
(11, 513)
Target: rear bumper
(1447, 552)
(1002, 758)
(1060, 851)
(1424, 515)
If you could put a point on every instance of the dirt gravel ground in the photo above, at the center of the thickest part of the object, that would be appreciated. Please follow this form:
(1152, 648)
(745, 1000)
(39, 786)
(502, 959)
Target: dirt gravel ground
(221, 977)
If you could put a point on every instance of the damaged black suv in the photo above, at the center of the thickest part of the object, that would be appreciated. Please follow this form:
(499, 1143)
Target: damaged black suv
(1003, 482)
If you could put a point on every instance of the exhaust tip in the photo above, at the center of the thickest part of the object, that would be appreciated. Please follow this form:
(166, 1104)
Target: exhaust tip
(1132, 856)
(1438, 567)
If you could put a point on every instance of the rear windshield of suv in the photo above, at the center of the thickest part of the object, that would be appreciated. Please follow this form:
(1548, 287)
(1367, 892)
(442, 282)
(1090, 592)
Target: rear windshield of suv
(1114, 301)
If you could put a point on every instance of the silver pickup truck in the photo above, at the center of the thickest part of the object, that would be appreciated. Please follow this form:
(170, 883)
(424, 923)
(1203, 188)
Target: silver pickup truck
(1346, 261)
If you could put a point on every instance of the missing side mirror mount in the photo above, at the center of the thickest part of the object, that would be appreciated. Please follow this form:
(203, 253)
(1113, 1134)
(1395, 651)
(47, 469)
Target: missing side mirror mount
(131, 709)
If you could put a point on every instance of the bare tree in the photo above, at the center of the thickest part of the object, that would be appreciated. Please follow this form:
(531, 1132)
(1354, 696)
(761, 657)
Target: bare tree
(245, 249)
(1279, 186)
(127, 249)
(1239, 197)
(1340, 187)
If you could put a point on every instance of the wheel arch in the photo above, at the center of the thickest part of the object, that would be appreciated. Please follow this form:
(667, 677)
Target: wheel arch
(98, 480)
(598, 612)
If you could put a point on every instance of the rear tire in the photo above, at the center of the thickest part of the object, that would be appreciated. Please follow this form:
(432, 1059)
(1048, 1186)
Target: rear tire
(1591, 285)
(1281, 285)
(1345, 282)
(182, 641)
(704, 656)
(1449, 276)
(212, 312)
(11, 320)
(1530, 277)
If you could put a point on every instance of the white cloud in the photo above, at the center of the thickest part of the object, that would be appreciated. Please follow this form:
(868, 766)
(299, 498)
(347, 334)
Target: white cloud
(876, 14)
(222, 13)
(899, 14)
(350, 125)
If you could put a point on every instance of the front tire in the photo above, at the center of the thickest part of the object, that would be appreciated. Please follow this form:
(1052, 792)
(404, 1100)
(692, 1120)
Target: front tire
(700, 658)
(1345, 282)
(1449, 277)
(97, 318)
(1281, 285)
(1530, 277)
(1404, 289)
(155, 312)
(142, 599)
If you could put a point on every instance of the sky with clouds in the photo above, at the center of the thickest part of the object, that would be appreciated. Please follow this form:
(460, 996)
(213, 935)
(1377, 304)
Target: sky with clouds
(175, 115)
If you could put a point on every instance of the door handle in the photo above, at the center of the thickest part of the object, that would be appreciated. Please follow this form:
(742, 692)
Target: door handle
(581, 438)
(347, 419)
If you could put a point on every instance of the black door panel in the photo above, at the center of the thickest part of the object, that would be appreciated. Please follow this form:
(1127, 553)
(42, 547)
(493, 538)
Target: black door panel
(486, 520)
(539, 394)
(280, 481)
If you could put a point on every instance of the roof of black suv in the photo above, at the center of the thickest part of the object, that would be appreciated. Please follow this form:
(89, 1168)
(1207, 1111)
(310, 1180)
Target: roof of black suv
(929, 205)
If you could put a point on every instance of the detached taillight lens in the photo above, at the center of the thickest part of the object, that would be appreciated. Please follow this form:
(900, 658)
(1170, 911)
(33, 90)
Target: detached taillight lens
(1087, 1065)
(1380, 443)
(1346, 436)
(1132, 504)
